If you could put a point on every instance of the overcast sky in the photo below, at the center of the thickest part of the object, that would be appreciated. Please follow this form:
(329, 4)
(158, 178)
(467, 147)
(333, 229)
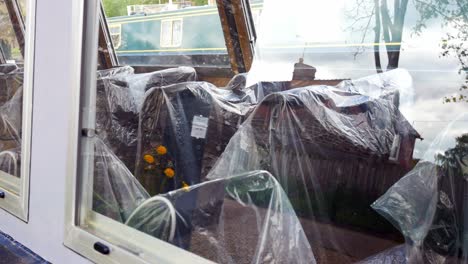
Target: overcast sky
(316, 24)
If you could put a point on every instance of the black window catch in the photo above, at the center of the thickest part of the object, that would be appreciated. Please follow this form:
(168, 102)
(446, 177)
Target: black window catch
(101, 248)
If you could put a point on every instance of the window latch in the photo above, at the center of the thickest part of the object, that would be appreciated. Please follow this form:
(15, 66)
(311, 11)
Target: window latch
(88, 132)
(101, 248)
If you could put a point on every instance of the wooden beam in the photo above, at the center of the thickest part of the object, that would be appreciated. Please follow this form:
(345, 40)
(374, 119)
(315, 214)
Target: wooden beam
(238, 32)
(242, 25)
(107, 56)
(223, 15)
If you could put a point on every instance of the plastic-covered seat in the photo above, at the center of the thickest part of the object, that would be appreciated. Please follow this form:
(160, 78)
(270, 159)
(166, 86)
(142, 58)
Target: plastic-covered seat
(120, 93)
(395, 255)
(11, 108)
(11, 80)
(156, 216)
(117, 113)
(191, 123)
(10, 120)
(10, 162)
(238, 219)
(256, 92)
(116, 193)
(430, 204)
(333, 151)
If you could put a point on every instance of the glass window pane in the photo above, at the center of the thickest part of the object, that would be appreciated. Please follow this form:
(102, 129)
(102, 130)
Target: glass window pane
(166, 33)
(11, 100)
(194, 38)
(176, 33)
(15, 114)
(421, 56)
(346, 142)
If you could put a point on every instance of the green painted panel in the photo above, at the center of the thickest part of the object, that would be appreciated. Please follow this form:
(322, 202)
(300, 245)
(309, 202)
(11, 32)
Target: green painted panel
(203, 31)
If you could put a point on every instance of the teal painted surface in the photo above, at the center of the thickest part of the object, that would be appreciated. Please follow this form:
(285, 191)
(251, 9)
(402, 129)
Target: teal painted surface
(201, 32)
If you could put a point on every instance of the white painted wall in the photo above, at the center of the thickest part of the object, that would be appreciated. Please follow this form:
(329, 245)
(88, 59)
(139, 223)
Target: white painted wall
(45, 231)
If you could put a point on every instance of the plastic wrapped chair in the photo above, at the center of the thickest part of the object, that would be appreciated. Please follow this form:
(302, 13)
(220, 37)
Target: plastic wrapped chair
(155, 216)
(11, 81)
(334, 152)
(183, 129)
(240, 219)
(256, 92)
(9, 162)
(11, 118)
(116, 192)
(120, 93)
(430, 204)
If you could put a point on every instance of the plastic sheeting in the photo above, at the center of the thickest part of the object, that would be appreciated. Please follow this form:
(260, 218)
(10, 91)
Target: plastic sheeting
(255, 92)
(10, 162)
(11, 83)
(377, 85)
(117, 193)
(334, 151)
(183, 129)
(240, 219)
(120, 94)
(209, 219)
(429, 205)
(325, 154)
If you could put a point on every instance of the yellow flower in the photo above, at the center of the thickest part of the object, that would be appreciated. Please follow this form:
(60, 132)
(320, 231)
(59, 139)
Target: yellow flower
(185, 186)
(161, 150)
(170, 173)
(148, 158)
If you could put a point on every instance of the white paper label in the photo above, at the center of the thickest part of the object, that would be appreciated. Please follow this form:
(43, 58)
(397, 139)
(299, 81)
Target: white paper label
(199, 127)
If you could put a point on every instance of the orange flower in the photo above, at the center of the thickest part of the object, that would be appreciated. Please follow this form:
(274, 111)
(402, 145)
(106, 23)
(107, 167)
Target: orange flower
(170, 173)
(185, 186)
(148, 158)
(161, 150)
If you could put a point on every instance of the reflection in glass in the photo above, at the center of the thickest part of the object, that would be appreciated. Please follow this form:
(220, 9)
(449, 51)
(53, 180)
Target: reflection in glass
(11, 99)
(9, 41)
(175, 33)
(429, 204)
(317, 155)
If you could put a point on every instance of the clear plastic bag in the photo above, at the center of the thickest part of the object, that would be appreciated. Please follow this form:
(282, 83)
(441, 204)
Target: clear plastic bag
(120, 94)
(329, 152)
(183, 130)
(333, 151)
(429, 204)
(11, 107)
(239, 219)
(117, 193)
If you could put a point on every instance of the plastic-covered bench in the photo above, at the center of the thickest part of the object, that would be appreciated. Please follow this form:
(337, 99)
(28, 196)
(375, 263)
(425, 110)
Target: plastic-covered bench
(240, 219)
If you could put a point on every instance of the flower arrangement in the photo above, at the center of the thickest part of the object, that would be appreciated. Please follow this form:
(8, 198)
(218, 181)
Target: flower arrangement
(158, 162)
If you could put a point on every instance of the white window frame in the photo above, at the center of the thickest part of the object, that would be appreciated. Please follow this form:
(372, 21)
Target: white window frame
(16, 189)
(127, 245)
(162, 35)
